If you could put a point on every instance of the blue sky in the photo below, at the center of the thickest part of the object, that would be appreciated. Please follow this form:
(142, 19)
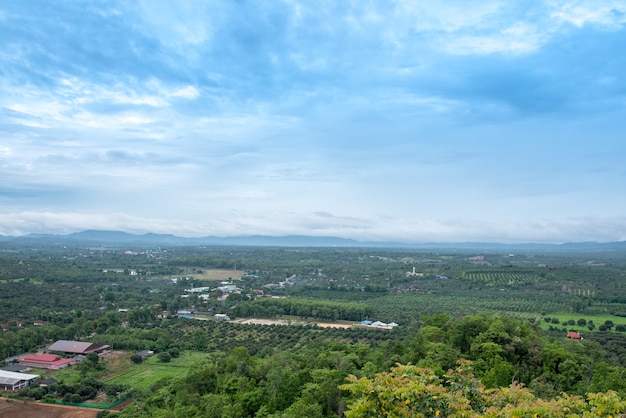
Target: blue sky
(414, 121)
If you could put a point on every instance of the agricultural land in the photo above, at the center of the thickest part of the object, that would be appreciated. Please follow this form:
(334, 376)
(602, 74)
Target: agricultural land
(290, 331)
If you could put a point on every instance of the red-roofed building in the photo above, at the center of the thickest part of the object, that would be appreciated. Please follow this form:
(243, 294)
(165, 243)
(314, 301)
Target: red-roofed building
(46, 361)
(574, 335)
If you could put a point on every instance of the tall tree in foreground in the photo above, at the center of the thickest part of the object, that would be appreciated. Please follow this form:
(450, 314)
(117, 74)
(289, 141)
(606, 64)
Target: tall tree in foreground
(409, 391)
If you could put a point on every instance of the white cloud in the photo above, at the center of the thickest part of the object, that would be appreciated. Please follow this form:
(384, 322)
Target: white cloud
(78, 102)
(178, 23)
(238, 223)
(187, 92)
(112, 122)
(450, 16)
(508, 41)
(609, 13)
(353, 108)
(44, 109)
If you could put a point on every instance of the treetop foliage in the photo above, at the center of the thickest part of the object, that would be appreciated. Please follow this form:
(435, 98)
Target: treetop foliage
(410, 391)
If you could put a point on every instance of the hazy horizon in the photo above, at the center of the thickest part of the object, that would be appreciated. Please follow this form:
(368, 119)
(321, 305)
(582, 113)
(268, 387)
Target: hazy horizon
(484, 121)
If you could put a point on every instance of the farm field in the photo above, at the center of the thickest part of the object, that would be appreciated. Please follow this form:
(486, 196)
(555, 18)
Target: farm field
(20, 409)
(68, 375)
(150, 371)
(502, 278)
(597, 320)
(70, 297)
(214, 274)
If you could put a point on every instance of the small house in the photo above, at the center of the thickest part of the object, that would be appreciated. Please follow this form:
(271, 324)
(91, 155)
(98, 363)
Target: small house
(574, 335)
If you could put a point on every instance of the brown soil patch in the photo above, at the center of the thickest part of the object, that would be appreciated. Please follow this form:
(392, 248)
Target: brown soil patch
(112, 355)
(259, 321)
(214, 274)
(21, 409)
(323, 325)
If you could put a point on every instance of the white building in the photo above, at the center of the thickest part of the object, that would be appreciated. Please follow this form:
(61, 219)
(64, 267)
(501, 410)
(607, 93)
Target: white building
(12, 381)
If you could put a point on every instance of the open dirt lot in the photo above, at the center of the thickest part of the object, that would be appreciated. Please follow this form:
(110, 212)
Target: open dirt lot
(285, 322)
(111, 355)
(21, 409)
(323, 325)
(214, 274)
(262, 321)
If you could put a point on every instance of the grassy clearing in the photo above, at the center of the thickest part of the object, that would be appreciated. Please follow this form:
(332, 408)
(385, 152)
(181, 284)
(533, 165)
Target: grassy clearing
(146, 374)
(68, 375)
(597, 320)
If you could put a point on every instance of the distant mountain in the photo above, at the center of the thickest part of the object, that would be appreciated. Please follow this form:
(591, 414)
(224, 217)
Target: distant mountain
(117, 238)
(120, 238)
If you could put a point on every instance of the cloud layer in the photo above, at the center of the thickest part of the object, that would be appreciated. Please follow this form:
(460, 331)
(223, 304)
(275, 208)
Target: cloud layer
(464, 121)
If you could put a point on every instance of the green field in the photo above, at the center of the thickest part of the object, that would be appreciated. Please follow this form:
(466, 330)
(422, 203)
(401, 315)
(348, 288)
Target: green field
(68, 375)
(143, 376)
(502, 278)
(597, 320)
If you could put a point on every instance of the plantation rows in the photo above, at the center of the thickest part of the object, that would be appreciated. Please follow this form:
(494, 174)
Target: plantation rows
(304, 308)
(205, 336)
(502, 278)
(405, 308)
(260, 339)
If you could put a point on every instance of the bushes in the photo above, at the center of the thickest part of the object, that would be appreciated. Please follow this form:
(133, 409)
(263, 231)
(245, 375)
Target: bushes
(165, 357)
(36, 393)
(80, 392)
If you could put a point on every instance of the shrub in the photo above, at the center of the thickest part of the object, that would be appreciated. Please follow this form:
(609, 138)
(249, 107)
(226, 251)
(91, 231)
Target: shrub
(165, 357)
(76, 398)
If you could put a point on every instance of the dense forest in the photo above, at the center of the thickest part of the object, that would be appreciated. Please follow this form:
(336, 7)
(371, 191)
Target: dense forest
(478, 334)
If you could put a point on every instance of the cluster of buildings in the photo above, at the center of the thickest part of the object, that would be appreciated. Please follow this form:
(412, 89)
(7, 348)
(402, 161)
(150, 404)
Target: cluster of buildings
(61, 354)
(378, 324)
(204, 292)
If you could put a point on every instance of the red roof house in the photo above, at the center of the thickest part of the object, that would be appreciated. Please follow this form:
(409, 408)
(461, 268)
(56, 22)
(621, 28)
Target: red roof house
(46, 361)
(574, 335)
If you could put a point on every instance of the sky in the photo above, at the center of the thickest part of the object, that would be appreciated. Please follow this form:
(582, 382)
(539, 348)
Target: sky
(409, 121)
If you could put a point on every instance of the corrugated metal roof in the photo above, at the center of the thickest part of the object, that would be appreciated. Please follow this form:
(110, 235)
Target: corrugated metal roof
(11, 378)
(70, 346)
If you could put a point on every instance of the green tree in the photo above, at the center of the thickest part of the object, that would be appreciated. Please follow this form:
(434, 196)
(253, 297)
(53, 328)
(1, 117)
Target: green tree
(408, 391)
(164, 356)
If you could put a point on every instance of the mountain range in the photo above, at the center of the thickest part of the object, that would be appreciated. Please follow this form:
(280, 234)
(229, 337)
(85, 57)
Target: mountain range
(119, 238)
